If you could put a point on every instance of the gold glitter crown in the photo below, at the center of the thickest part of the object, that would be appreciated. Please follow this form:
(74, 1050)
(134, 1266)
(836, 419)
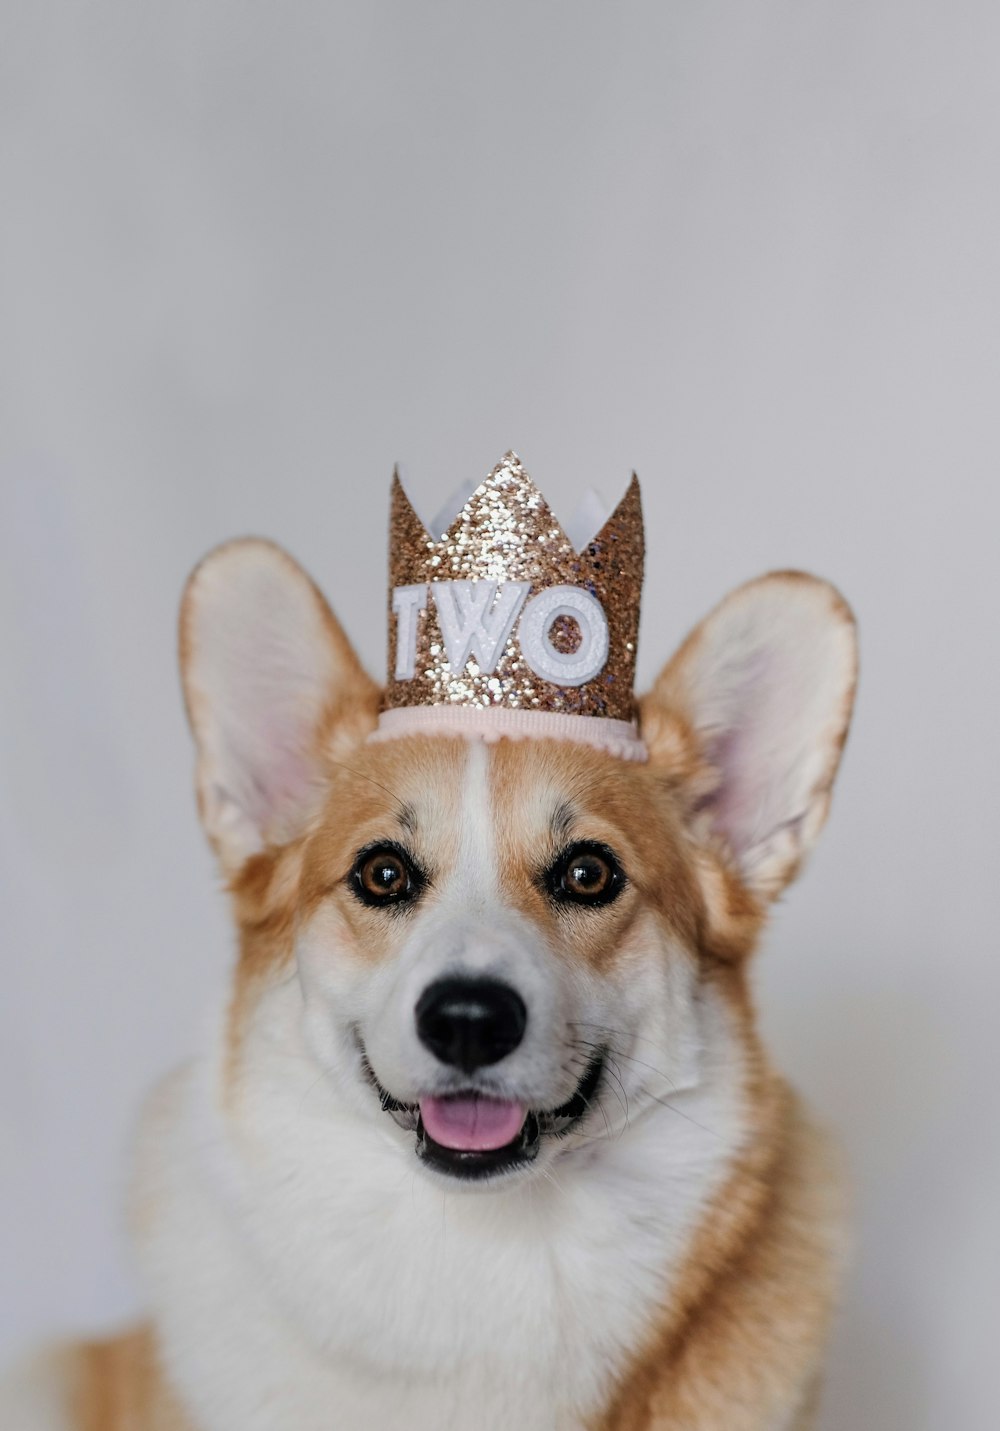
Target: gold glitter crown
(502, 613)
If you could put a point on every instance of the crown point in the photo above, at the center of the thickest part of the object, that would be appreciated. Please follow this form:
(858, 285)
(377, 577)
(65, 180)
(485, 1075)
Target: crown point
(404, 523)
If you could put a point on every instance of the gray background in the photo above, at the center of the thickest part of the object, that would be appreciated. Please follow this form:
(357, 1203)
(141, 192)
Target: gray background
(250, 255)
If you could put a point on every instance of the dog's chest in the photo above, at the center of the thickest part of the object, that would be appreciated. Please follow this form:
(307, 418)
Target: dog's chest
(393, 1305)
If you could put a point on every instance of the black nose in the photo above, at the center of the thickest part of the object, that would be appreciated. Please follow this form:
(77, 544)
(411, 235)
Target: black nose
(470, 1022)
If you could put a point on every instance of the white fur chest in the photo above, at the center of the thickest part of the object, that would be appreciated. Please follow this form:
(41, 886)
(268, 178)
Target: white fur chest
(316, 1279)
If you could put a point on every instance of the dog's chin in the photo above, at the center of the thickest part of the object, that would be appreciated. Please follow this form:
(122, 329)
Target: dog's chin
(457, 1149)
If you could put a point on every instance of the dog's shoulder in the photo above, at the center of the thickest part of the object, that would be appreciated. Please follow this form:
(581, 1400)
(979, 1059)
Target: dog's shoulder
(750, 1349)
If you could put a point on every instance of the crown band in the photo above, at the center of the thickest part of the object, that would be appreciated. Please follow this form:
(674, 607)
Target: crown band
(616, 737)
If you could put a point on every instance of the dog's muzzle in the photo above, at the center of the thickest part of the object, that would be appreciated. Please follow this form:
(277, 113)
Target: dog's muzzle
(474, 1136)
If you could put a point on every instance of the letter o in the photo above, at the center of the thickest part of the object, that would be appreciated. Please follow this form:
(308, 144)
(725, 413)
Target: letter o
(564, 668)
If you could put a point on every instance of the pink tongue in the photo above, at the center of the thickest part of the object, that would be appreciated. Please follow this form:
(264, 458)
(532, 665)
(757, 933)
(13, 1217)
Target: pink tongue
(472, 1125)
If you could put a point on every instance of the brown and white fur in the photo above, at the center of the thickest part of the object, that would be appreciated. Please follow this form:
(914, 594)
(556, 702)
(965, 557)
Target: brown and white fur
(668, 1265)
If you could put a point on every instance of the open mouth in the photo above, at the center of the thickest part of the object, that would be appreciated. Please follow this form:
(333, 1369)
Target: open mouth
(471, 1135)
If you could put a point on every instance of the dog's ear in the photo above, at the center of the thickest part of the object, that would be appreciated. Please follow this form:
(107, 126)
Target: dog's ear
(751, 717)
(272, 687)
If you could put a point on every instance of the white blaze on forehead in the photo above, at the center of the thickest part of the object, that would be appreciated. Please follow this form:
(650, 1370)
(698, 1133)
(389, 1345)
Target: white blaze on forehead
(476, 874)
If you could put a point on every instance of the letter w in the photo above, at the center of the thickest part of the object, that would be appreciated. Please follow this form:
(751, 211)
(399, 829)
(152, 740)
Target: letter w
(476, 621)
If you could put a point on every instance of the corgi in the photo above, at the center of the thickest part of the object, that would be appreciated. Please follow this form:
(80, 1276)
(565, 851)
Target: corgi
(486, 1139)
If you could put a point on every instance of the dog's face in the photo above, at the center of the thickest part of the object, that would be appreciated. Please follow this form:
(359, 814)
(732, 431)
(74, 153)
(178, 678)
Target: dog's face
(488, 935)
(501, 948)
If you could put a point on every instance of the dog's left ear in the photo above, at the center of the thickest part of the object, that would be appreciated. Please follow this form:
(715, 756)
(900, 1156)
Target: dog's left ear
(273, 690)
(750, 718)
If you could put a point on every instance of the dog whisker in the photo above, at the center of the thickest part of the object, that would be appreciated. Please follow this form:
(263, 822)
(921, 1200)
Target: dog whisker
(679, 1111)
(646, 1092)
(615, 1072)
(313, 1084)
(619, 1092)
(631, 1058)
(400, 804)
(551, 1177)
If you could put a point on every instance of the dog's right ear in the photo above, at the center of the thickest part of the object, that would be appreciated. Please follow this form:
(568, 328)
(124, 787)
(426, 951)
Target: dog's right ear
(272, 687)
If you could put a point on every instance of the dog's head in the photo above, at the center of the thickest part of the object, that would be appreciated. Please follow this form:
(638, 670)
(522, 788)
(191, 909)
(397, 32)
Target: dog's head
(500, 949)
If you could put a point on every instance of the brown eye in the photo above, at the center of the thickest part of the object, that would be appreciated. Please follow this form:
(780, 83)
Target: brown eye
(385, 875)
(586, 874)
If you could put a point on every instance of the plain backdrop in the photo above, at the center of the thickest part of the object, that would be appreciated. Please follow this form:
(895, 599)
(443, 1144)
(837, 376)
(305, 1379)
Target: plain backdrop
(251, 255)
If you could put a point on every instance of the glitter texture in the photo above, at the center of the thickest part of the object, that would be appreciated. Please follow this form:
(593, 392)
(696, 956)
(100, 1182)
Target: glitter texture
(506, 532)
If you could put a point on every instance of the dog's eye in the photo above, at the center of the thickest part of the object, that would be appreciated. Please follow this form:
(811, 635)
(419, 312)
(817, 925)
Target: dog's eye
(586, 874)
(384, 875)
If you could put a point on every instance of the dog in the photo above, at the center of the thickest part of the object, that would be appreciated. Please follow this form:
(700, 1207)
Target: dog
(487, 1139)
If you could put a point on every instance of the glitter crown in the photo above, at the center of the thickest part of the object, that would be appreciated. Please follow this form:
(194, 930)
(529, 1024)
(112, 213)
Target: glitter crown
(502, 624)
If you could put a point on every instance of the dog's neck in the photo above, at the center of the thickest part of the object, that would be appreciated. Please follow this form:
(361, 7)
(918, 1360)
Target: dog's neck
(296, 1255)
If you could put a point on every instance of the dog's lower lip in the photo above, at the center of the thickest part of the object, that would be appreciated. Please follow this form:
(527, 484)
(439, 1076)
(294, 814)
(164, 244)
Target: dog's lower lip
(522, 1149)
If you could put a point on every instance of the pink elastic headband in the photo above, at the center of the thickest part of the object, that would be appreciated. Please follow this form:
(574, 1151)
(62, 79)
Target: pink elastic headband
(493, 723)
